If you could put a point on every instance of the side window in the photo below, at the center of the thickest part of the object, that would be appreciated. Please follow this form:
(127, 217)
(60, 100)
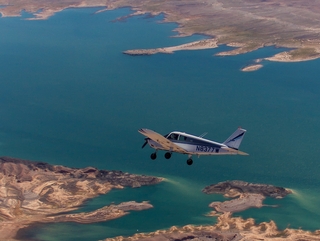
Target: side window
(173, 136)
(186, 139)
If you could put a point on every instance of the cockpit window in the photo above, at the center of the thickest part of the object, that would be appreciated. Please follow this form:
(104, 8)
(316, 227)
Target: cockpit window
(173, 136)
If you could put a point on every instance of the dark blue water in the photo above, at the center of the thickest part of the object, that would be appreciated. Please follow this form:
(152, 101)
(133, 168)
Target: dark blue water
(69, 96)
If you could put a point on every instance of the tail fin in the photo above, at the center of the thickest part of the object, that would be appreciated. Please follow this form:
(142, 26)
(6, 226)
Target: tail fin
(235, 139)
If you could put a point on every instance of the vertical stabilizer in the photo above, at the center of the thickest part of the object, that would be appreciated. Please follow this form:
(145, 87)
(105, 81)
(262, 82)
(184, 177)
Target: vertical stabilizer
(235, 139)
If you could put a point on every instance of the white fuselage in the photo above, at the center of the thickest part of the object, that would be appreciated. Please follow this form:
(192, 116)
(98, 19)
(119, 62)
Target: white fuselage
(194, 145)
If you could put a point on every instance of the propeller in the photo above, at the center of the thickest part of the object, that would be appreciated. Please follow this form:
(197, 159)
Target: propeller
(146, 142)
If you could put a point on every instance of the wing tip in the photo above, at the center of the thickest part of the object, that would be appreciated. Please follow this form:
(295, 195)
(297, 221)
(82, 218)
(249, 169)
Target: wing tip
(142, 130)
(243, 153)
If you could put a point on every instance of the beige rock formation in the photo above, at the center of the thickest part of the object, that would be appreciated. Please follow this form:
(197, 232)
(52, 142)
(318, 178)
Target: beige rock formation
(244, 24)
(40, 192)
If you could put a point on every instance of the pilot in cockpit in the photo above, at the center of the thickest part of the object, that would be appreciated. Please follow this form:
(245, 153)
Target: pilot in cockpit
(173, 136)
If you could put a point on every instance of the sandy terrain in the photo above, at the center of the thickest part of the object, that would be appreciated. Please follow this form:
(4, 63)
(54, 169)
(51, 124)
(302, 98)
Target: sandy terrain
(245, 195)
(39, 192)
(244, 24)
(230, 228)
(242, 203)
(292, 57)
(202, 44)
(227, 228)
(236, 188)
(102, 214)
(252, 67)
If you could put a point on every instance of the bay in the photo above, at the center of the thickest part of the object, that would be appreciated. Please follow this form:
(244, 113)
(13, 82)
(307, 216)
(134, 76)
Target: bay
(69, 96)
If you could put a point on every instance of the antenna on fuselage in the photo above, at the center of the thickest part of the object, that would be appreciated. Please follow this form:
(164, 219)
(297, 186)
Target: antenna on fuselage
(203, 134)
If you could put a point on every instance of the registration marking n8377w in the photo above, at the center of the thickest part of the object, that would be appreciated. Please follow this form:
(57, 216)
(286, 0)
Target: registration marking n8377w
(205, 148)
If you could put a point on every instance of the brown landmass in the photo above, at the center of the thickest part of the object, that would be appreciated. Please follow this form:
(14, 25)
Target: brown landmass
(246, 25)
(230, 228)
(252, 67)
(236, 188)
(39, 192)
(242, 203)
(202, 44)
(246, 195)
(227, 228)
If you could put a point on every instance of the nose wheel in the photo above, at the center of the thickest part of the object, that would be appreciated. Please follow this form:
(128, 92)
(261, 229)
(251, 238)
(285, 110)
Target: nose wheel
(189, 161)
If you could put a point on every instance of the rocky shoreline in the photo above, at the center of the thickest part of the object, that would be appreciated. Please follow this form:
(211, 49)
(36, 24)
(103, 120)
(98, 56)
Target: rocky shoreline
(231, 228)
(100, 215)
(39, 192)
(246, 195)
(244, 25)
(32, 192)
(227, 228)
(197, 45)
(253, 67)
(236, 188)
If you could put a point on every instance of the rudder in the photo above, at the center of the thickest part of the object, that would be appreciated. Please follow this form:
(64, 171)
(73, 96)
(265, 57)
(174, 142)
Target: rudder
(235, 139)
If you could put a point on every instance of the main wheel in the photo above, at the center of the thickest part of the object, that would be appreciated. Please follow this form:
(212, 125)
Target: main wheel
(189, 161)
(153, 156)
(167, 155)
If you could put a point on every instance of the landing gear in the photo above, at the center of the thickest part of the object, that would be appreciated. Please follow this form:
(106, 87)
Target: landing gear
(153, 156)
(189, 161)
(167, 155)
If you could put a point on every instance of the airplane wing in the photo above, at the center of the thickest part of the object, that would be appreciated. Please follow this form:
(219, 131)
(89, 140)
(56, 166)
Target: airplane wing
(243, 153)
(161, 140)
(236, 151)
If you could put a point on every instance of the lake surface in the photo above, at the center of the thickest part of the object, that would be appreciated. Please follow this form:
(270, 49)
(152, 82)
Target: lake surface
(69, 96)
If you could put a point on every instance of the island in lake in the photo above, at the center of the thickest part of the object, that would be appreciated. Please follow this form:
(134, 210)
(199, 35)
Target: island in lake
(244, 24)
(39, 192)
(246, 195)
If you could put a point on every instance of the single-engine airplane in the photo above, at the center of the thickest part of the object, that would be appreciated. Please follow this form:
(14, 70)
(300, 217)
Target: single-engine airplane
(184, 143)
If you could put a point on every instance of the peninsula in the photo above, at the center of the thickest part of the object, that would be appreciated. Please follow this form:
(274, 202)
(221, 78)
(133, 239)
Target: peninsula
(228, 227)
(246, 195)
(202, 44)
(245, 25)
(39, 192)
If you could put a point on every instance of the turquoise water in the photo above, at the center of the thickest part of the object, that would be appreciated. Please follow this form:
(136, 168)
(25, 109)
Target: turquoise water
(69, 96)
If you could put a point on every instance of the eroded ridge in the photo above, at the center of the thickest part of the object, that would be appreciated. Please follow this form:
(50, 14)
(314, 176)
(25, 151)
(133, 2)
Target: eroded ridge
(246, 195)
(40, 192)
(196, 45)
(236, 187)
(244, 24)
(228, 228)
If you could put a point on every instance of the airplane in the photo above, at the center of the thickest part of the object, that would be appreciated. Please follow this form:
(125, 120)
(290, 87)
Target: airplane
(185, 143)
